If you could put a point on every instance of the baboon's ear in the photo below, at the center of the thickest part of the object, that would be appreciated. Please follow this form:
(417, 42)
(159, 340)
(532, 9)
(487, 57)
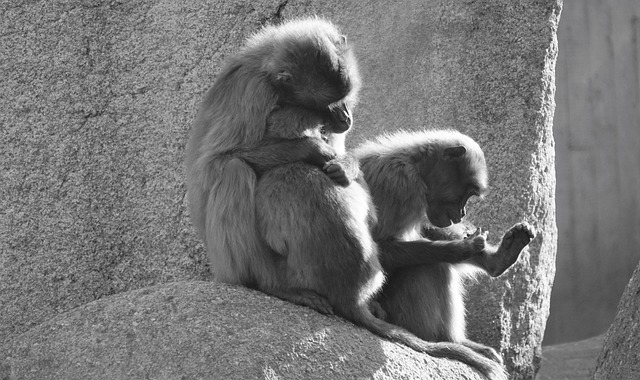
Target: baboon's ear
(284, 76)
(454, 152)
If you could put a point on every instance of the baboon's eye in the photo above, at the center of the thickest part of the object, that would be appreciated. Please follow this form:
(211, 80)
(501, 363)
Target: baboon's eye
(343, 39)
(284, 76)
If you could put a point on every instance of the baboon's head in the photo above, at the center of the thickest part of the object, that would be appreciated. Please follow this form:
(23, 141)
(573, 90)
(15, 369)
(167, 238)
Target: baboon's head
(458, 173)
(312, 66)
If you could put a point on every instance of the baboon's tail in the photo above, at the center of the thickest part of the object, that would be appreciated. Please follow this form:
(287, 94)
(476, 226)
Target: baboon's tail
(490, 369)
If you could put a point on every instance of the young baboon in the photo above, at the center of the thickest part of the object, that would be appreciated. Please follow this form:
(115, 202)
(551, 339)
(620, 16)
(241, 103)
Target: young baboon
(309, 239)
(420, 177)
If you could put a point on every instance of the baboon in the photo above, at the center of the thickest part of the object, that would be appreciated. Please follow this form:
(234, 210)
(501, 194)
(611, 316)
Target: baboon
(228, 147)
(271, 216)
(419, 182)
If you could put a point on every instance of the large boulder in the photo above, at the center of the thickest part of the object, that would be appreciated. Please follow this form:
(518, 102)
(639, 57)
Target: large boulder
(98, 97)
(202, 330)
(620, 356)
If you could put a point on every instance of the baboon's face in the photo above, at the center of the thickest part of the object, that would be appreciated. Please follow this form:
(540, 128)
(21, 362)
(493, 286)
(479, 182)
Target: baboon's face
(339, 118)
(448, 207)
(319, 74)
(452, 181)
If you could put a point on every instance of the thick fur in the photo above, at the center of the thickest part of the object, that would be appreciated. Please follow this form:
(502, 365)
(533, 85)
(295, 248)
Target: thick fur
(228, 148)
(419, 179)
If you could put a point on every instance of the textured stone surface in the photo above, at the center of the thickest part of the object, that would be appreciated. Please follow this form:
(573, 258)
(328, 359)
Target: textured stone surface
(201, 330)
(97, 100)
(98, 97)
(620, 356)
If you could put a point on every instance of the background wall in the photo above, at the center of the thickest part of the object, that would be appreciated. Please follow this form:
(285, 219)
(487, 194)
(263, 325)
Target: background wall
(597, 133)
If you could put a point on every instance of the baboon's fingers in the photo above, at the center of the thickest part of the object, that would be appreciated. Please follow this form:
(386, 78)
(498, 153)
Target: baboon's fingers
(336, 173)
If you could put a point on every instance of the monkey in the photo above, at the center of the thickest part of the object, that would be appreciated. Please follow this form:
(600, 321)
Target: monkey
(228, 148)
(230, 145)
(420, 183)
(271, 217)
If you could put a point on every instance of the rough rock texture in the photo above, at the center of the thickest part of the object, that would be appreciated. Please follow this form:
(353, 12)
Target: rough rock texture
(98, 97)
(620, 356)
(202, 330)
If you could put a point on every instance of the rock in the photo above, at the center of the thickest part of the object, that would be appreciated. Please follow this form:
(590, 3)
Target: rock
(620, 356)
(202, 330)
(98, 97)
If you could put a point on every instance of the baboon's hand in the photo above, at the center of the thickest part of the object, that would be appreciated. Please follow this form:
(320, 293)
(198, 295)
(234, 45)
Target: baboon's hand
(319, 153)
(478, 240)
(342, 170)
(336, 173)
(478, 232)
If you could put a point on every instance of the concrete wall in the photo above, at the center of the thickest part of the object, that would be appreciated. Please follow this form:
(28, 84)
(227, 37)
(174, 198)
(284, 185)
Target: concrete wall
(597, 133)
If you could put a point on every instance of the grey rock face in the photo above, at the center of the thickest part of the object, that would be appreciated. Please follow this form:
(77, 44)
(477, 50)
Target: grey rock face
(98, 97)
(620, 356)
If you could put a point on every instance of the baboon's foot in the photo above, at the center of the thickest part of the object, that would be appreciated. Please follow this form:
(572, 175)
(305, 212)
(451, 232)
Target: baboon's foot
(483, 350)
(509, 250)
(377, 310)
(305, 297)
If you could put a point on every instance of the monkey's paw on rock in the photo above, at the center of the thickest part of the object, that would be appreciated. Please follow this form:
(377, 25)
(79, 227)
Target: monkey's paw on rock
(208, 330)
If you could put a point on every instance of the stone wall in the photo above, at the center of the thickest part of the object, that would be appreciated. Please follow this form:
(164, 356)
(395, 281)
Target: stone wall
(597, 134)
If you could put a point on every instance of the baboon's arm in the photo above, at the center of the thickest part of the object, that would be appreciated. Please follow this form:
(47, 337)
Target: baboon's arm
(343, 169)
(274, 152)
(395, 254)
